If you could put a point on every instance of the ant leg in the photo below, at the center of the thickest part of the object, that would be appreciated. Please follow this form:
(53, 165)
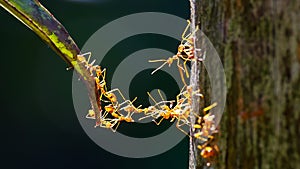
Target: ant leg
(115, 129)
(151, 97)
(103, 73)
(183, 81)
(210, 107)
(185, 30)
(87, 53)
(90, 67)
(196, 29)
(196, 115)
(199, 137)
(158, 60)
(149, 115)
(129, 108)
(178, 63)
(159, 121)
(128, 102)
(92, 63)
(118, 90)
(89, 56)
(182, 91)
(179, 128)
(185, 68)
(203, 145)
(113, 123)
(164, 104)
(104, 114)
(159, 68)
(187, 38)
(160, 95)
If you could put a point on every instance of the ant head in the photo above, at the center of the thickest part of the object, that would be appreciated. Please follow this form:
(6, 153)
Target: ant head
(98, 71)
(181, 48)
(112, 97)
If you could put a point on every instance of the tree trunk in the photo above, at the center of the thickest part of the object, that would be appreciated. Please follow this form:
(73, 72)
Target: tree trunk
(259, 45)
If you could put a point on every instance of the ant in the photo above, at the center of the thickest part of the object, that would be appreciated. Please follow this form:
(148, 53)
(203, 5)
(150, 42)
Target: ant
(102, 88)
(206, 124)
(209, 153)
(89, 66)
(185, 51)
(118, 117)
(208, 149)
(103, 122)
(111, 123)
(180, 112)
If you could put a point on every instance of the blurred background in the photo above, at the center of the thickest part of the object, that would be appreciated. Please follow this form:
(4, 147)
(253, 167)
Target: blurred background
(39, 125)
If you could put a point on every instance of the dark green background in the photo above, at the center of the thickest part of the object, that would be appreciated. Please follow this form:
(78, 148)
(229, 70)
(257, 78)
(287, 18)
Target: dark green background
(39, 127)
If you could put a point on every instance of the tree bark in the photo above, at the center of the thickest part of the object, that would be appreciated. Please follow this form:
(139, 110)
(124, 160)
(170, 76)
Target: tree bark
(259, 45)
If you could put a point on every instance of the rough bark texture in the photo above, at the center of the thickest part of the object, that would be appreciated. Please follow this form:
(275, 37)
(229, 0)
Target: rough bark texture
(259, 45)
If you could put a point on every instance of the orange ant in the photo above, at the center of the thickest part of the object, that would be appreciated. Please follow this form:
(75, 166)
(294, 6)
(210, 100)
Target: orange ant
(101, 87)
(118, 118)
(130, 108)
(209, 153)
(109, 123)
(155, 112)
(206, 125)
(114, 109)
(209, 150)
(89, 66)
(121, 118)
(180, 112)
(91, 114)
(185, 51)
(103, 122)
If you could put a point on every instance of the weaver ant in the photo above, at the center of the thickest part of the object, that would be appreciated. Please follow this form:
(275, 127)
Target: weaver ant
(185, 51)
(118, 117)
(208, 149)
(180, 111)
(111, 123)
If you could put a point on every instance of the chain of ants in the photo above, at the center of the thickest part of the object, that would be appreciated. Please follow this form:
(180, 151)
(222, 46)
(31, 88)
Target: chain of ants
(178, 110)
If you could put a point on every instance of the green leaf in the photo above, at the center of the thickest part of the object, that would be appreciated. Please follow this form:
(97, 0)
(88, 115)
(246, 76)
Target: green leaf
(44, 24)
